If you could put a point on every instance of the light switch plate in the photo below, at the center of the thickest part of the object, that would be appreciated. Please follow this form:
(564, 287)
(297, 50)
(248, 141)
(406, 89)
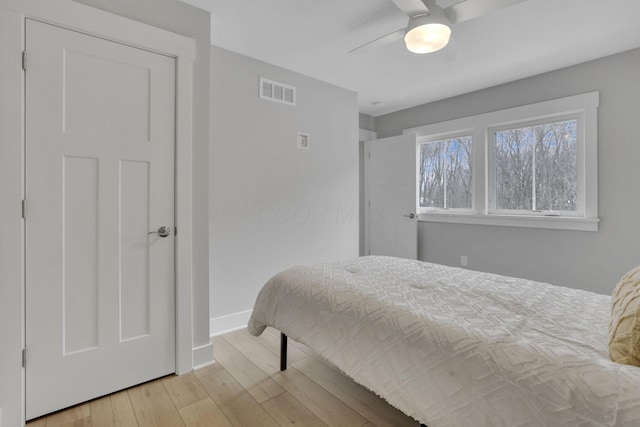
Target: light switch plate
(303, 141)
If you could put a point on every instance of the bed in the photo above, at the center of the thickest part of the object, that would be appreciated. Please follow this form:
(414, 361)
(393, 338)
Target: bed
(454, 347)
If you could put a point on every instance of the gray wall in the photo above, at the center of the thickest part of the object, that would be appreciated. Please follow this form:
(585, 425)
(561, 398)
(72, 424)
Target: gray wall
(273, 205)
(588, 260)
(195, 23)
(367, 122)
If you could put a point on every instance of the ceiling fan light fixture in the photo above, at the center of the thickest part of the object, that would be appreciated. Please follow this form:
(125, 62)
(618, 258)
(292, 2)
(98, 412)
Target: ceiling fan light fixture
(427, 33)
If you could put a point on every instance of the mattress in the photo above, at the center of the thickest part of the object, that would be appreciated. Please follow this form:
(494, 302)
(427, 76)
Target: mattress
(455, 347)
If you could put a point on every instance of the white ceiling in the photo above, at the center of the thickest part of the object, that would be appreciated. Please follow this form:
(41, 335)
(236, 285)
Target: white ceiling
(314, 37)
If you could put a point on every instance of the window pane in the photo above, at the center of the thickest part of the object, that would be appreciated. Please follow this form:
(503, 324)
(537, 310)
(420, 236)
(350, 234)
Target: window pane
(514, 169)
(445, 174)
(458, 184)
(432, 175)
(550, 150)
(556, 159)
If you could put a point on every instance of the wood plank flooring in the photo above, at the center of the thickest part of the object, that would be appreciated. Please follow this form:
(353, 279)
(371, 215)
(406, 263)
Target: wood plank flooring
(245, 388)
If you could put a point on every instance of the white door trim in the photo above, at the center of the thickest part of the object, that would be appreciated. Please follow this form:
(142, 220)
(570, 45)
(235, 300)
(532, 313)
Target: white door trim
(367, 197)
(75, 16)
(365, 136)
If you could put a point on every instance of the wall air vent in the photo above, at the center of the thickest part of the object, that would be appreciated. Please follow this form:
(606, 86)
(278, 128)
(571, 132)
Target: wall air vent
(278, 92)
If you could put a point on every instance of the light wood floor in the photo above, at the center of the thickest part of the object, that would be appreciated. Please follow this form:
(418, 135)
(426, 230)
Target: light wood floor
(245, 388)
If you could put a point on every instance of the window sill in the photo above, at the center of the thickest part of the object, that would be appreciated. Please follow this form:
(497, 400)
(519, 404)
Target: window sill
(550, 222)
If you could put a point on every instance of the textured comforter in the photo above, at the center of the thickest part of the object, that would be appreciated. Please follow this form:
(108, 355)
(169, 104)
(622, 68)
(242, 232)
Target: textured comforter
(454, 347)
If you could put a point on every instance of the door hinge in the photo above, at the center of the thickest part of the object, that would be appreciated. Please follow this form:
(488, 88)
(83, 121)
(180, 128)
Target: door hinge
(24, 209)
(24, 357)
(24, 60)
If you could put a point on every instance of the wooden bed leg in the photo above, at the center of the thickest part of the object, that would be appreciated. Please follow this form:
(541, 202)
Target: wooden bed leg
(283, 352)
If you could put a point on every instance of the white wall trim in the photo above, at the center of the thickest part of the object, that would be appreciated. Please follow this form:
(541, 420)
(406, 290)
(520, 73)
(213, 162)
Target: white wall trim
(202, 356)
(69, 14)
(527, 221)
(90, 20)
(366, 135)
(582, 107)
(230, 322)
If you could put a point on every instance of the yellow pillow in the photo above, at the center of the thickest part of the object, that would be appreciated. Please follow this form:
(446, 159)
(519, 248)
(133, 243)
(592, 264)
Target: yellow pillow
(624, 327)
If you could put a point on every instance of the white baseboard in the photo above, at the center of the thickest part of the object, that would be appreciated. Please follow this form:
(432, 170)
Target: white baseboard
(228, 323)
(202, 356)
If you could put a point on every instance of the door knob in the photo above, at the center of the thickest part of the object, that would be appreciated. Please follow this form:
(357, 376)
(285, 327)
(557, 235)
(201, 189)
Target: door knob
(410, 216)
(163, 231)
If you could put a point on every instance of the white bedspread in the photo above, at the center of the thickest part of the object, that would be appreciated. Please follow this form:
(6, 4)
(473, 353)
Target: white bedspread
(454, 347)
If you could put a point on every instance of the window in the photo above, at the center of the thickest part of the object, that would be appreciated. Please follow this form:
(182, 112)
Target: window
(530, 166)
(445, 173)
(534, 168)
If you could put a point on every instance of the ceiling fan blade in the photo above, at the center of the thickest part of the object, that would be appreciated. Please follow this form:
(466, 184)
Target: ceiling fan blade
(380, 41)
(411, 7)
(474, 8)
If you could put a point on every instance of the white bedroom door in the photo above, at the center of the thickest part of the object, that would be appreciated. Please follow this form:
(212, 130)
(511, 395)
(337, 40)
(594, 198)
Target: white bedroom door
(391, 222)
(100, 142)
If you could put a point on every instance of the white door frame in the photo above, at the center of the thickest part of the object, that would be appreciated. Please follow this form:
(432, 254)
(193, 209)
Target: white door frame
(78, 17)
(365, 136)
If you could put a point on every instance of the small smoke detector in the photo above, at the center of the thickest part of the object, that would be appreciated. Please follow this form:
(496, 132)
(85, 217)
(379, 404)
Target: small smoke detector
(277, 92)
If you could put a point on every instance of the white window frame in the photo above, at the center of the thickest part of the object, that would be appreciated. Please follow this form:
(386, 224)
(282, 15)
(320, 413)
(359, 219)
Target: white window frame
(583, 107)
(436, 138)
(580, 142)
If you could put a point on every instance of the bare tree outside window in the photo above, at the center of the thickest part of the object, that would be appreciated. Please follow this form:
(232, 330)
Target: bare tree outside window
(536, 167)
(513, 169)
(529, 166)
(445, 174)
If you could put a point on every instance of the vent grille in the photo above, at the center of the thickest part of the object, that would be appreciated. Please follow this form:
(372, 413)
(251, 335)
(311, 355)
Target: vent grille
(277, 92)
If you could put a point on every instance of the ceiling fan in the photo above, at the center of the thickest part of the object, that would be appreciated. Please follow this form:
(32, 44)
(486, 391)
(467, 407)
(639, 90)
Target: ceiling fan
(429, 26)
